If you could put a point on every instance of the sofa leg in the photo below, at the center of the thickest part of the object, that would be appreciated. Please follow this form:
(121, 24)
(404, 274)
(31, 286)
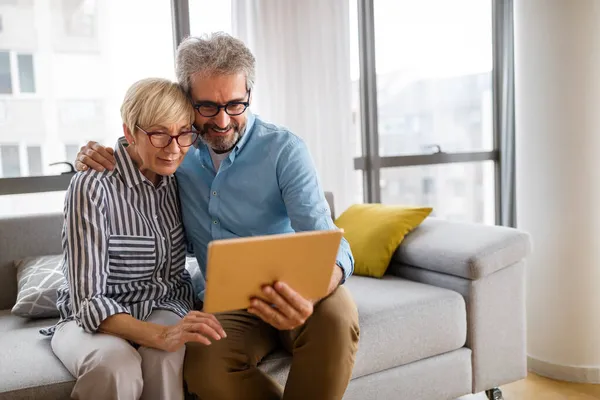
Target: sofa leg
(494, 394)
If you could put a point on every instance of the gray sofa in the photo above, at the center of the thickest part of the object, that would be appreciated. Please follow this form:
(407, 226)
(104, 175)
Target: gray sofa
(447, 320)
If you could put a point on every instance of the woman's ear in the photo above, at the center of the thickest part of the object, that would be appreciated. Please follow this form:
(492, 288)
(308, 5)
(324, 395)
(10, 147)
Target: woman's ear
(128, 135)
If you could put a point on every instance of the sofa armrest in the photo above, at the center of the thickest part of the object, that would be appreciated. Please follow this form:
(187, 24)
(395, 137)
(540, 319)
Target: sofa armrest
(486, 264)
(470, 251)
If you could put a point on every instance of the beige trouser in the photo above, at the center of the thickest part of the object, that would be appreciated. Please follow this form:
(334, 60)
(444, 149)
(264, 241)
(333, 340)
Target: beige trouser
(323, 350)
(108, 367)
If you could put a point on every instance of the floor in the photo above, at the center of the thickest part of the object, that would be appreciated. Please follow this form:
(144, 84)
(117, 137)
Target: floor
(535, 387)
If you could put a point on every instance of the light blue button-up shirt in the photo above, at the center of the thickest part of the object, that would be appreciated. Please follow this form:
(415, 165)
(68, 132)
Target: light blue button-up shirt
(267, 185)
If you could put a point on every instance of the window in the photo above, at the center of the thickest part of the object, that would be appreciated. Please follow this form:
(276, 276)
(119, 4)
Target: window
(78, 84)
(71, 151)
(16, 73)
(10, 161)
(26, 74)
(434, 105)
(85, 88)
(426, 185)
(31, 203)
(79, 17)
(78, 111)
(5, 73)
(434, 71)
(1, 24)
(34, 160)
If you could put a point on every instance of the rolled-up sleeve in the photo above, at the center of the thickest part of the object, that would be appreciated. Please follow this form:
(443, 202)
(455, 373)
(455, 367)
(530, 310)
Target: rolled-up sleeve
(304, 198)
(85, 242)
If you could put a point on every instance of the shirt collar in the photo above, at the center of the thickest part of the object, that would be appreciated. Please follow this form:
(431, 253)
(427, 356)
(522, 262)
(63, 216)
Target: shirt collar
(130, 173)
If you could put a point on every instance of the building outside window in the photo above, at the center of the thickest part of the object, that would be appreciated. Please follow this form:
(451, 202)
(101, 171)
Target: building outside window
(71, 151)
(26, 73)
(10, 161)
(17, 73)
(74, 92)
(79, 17)
(5, 73)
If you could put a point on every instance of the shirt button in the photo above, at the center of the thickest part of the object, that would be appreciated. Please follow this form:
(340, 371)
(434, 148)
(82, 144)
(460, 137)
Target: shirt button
(163, 238)
(215, 222)
(159, 279)
(214, 193)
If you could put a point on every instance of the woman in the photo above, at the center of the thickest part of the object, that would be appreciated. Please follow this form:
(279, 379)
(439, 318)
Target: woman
(125, 307)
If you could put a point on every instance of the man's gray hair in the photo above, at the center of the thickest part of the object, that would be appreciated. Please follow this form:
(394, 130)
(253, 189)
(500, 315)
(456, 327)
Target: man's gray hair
(216, 53)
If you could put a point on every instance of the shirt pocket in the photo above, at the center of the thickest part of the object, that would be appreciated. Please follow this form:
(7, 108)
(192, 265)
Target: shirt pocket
(131, 258)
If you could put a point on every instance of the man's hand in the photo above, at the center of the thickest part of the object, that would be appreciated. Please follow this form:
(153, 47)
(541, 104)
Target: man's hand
(196, 327)
(95, 156)
(290, 310)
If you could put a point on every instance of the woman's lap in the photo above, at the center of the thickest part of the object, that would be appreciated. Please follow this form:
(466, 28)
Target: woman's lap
(82, 352)
(79, 350)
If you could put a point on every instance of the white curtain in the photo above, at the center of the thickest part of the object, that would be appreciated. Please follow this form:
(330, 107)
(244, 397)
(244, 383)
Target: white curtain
(302, 52)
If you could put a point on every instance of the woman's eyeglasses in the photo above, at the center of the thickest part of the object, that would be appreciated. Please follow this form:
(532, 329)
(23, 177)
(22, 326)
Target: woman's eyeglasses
(161, 140)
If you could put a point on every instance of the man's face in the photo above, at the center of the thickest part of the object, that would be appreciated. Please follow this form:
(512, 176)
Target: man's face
(222, 131)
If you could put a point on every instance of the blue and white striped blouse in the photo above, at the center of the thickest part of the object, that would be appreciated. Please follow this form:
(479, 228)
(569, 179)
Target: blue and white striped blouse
(124, 247)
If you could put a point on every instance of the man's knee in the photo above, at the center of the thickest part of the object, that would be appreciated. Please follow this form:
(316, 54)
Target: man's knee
(207, 367)
(336, 318)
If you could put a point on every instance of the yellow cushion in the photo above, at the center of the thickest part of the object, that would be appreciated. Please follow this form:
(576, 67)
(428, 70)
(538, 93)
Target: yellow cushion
(374, 232)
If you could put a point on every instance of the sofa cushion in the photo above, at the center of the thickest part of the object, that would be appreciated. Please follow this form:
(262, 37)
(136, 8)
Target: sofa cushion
(9, 322)
(400, 322)
(38, 279)
(32, 235)
(32, 370)
(374, 232)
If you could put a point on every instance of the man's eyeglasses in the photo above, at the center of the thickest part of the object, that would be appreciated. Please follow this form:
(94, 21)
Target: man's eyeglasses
(162, 140)
(233, 108)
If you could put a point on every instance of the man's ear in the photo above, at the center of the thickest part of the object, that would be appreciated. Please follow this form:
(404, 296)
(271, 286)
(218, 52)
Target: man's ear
(128, 135)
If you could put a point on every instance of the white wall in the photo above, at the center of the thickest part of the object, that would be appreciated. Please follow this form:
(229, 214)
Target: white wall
(557, 57)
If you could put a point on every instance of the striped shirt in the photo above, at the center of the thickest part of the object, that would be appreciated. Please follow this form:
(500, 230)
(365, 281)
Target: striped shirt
(124, 247)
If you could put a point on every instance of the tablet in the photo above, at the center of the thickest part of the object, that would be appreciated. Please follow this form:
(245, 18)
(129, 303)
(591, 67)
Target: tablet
(237, 269)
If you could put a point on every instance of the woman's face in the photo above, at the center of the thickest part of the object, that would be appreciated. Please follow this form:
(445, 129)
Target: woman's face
(154, 152)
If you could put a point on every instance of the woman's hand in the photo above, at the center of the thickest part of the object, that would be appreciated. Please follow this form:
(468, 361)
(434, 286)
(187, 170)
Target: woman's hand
(196, 326)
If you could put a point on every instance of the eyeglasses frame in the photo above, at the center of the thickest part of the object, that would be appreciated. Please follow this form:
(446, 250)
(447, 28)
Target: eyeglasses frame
(176, 137)
(246, 104)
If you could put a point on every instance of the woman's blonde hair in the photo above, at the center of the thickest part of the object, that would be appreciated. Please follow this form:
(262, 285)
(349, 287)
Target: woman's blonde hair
(154, 101)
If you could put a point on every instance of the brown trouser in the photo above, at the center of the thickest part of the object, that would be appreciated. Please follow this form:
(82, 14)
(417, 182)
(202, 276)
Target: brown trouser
(323, 352)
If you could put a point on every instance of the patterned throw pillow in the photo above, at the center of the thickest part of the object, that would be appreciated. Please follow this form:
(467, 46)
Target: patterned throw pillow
(38, 278)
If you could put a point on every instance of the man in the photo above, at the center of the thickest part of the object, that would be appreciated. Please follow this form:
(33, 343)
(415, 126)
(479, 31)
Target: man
(247, 177)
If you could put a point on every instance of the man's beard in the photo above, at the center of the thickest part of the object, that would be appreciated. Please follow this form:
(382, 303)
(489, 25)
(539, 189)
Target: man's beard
(221, 144)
